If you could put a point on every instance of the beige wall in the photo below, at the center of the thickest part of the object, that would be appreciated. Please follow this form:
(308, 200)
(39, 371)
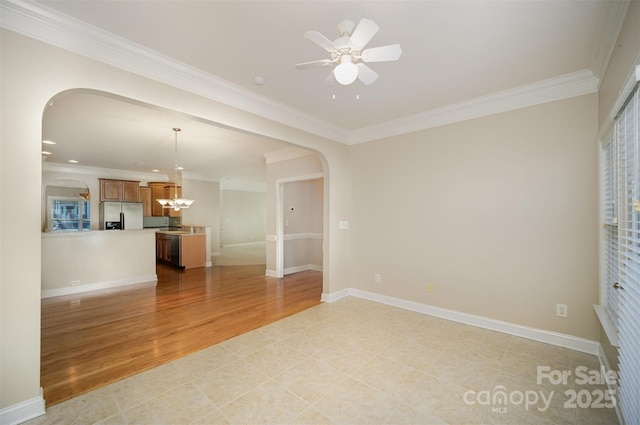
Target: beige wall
(298, 167)
(32, 73)
(97, 260)
(302, 201)
(205, 211)
(625, 55)
(499, 214)
(243, 217)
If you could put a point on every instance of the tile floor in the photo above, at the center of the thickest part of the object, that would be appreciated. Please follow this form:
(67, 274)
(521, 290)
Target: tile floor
(351, 362)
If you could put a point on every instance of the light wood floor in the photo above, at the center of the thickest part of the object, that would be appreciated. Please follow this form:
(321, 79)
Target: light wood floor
(89, 341)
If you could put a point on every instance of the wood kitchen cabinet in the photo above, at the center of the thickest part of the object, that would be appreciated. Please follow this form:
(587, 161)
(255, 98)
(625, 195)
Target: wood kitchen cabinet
(163, 190)
(145, 197)
(163, 247)
(112, 190)
(193, 252)
(170, 193)
(157, 192)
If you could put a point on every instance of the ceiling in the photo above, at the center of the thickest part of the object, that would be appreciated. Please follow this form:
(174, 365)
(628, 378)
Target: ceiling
(106, 131)
(452, 51)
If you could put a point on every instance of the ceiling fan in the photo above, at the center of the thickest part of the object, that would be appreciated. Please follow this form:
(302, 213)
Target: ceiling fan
(348, 52)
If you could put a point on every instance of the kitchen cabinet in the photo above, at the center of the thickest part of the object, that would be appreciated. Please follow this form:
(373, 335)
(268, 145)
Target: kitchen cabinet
(163, 247)
(193, 251)
(112, 190)
(157, 192)
(163, 190)
(170, 193)
(145, 197)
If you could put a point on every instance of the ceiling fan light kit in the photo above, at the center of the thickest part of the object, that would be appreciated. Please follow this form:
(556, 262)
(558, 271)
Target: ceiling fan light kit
(347, 72)
(348, 54)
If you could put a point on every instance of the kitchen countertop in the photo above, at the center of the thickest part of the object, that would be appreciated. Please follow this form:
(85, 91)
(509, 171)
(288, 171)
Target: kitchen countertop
(179, 232)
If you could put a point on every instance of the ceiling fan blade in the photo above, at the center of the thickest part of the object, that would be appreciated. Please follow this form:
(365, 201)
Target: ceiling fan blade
(314, 64)
(320, 40)
(391, 52)
(366, 74)
(363, 33)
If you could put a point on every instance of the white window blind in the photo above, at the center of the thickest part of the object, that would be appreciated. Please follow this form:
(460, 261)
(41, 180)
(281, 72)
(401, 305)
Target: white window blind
(628, 203)
(610, 219)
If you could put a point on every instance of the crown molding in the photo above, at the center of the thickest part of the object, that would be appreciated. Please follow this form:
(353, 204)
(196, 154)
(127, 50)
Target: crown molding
(52, 27)
(49, 26)
(563, 87)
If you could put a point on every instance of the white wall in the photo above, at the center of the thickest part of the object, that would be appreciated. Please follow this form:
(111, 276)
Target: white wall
(243, 217)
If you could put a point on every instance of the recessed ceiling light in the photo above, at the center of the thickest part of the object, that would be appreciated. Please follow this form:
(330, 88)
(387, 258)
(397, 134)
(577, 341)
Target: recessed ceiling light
(258, 80)
(156, 171)
(48, 142)
(73, 161)
(46, 153)
(179, 168)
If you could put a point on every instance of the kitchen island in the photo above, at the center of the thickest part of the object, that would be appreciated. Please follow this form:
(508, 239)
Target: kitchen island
(184, 249)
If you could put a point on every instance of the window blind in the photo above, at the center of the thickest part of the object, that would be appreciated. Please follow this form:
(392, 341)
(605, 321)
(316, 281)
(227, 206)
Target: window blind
(628, 191)
(610, 220)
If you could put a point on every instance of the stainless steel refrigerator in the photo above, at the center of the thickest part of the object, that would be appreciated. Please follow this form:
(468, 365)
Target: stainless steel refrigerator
(120, 215)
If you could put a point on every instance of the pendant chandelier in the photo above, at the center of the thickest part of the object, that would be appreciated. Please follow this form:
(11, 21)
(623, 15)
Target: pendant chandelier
(176, 203)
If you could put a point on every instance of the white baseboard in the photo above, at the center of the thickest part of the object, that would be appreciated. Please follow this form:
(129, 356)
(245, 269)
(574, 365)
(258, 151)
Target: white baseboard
(335, 296)
(296, 269)
(270, 273)
(241, 244)
(71, 290)
(302, 268)
(554, 338)
(24, 411)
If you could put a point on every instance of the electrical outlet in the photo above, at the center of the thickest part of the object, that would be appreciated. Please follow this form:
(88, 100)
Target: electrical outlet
(75, 282)
(561, 310)
(377, 278)
(430, 287)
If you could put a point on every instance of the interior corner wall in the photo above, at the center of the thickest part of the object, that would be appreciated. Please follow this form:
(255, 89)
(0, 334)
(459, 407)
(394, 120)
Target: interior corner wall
(498, 213)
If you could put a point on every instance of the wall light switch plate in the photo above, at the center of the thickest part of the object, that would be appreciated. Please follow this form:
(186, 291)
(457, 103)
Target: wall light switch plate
(344, 225)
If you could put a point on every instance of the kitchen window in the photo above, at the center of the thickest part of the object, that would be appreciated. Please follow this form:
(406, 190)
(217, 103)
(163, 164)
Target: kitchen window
(69, 214)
